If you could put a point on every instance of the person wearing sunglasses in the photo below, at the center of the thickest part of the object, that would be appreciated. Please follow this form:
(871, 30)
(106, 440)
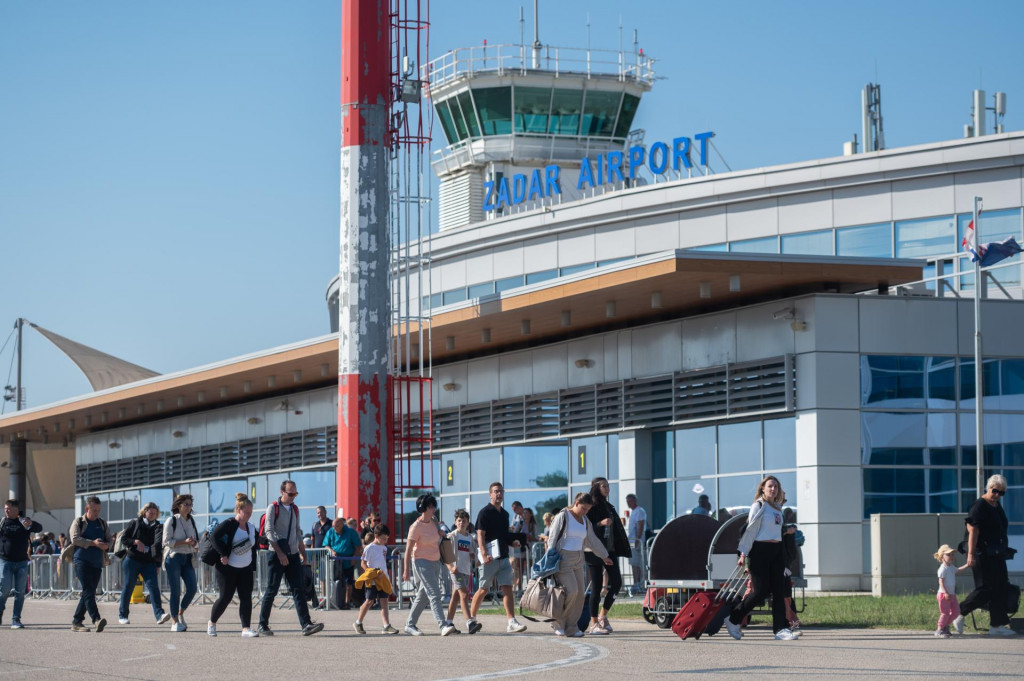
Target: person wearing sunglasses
(284, 533)
(987, 553)
(181, 539)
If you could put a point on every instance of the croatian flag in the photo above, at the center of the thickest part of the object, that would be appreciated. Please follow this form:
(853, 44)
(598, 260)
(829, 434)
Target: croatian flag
(970, 244)
(998, 251)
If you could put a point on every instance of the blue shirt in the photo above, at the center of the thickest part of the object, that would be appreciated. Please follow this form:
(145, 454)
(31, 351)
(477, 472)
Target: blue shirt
(91, 556)
(344, 544)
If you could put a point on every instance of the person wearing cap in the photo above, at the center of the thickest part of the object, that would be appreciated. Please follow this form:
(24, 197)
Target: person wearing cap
(987, 553)
(949, 608)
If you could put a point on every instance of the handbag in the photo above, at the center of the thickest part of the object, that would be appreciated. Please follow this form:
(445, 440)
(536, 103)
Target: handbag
(546, 597)
(447, 551)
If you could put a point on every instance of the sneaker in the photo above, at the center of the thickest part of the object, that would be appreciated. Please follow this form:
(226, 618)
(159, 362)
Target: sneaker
(578, 634)
(123, 620)
(181, 621)
(178, 627)
(78, 626)
(412, 630)
(606, 625)
(211, 629)
(16, 624)
(358, 626)
(559, 632)
(597, 630)
(941, 633)
(388, 630)
(958, 624)
(264, 630)
(449, 629)
(163, 619)
(101, 624)
(785, 635)
(1001, 631)
(475, 626)
(734, 629)
(514, 627)
(249, 633)
(312, 628)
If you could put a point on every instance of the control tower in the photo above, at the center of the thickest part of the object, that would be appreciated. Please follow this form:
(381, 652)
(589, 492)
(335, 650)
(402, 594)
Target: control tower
(514, 115)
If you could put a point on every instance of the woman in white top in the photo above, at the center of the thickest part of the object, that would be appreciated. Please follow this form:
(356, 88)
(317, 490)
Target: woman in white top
(235, 541)
(570, 533)
(180, 541)
(762, 543)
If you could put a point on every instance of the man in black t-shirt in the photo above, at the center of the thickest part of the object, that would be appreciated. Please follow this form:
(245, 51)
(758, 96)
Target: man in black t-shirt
(493, 538)
(987, 553)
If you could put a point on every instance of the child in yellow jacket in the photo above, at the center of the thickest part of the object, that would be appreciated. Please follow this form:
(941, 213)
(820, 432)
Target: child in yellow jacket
(375, 579)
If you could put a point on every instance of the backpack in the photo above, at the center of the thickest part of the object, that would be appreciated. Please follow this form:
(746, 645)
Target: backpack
(207, 552)
(261, 533)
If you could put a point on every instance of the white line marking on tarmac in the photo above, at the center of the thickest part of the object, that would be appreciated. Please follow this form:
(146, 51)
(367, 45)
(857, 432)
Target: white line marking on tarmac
(582, 654)
(144, 657)
(170, 646)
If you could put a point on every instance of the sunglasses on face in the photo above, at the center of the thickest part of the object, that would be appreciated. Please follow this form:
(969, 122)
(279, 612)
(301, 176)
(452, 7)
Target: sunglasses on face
(1000, 492)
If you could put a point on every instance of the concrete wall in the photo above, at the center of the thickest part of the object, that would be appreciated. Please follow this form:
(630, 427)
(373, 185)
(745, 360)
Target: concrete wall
(902, 548)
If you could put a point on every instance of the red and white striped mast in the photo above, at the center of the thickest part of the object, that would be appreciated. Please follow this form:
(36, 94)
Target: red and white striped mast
(364, 470)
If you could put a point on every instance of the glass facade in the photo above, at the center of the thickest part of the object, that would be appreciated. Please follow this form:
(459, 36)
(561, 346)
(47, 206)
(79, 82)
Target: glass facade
(918, 445)
(724, 461)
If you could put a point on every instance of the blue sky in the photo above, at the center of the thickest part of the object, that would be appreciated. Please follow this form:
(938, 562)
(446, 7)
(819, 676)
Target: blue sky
(169, 171)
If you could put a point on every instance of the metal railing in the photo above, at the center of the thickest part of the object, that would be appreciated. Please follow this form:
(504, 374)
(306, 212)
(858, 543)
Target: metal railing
(521, 59)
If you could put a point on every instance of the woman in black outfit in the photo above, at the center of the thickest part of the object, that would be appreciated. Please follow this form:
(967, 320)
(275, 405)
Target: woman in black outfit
(987, 553)
(235, 541)
(608, 527)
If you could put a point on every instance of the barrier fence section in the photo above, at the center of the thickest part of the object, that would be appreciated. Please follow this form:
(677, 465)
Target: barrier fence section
(49, 577)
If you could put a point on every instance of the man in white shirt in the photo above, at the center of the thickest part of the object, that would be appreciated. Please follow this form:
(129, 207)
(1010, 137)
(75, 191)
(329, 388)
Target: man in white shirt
(637, 531)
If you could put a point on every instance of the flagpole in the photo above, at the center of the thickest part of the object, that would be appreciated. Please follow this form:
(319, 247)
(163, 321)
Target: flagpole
(979, 388)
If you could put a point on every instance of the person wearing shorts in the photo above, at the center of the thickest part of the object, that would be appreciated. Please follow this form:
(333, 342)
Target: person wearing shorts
(493, 538)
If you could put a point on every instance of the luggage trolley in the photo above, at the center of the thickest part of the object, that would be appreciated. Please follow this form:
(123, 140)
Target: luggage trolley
(696, 553)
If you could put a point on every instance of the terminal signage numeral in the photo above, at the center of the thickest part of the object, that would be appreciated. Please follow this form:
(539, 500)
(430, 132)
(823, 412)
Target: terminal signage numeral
(581, 461)
(449, 474)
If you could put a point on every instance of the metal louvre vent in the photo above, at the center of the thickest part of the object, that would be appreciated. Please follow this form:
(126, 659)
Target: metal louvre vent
(276, 452)
(720, 392)
(648, 401)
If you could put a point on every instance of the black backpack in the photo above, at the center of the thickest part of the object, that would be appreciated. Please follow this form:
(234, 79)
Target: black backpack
(207, 552)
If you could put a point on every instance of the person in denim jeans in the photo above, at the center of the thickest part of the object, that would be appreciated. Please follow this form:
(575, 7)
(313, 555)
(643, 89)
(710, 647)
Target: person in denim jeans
(15, 534)
(423, 555)
(180, 541)
(91, 539)
(143, 558)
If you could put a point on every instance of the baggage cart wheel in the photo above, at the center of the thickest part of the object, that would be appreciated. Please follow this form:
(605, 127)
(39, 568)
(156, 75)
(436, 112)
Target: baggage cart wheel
(648, 615)
(663, 614)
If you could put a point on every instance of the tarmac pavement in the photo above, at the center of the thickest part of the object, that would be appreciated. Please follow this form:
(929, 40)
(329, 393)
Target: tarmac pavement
(47, 649)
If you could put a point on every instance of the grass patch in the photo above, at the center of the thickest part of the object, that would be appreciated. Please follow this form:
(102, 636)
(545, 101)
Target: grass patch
(914, 612)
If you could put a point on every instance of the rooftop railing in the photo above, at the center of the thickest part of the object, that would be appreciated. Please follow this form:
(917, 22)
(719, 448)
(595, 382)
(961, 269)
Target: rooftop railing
(522, 59)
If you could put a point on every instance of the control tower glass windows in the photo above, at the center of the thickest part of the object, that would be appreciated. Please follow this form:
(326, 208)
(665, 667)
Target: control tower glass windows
(495, 107)
(465, 102)
(629, 107)
(459, 119)
(447, 124)
(532, 105)
(600, 109)
(566, 107)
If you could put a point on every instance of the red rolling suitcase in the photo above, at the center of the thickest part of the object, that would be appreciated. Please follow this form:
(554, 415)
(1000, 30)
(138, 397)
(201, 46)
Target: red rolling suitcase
(701, 608)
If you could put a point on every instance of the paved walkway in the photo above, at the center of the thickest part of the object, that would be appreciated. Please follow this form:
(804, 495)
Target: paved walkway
(47, 649)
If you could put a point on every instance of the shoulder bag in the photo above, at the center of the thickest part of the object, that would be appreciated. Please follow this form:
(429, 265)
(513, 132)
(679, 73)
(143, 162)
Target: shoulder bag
(545, 597)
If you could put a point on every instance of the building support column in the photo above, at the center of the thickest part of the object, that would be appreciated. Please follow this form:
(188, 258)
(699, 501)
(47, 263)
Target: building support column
(19, 470)
(635, 470)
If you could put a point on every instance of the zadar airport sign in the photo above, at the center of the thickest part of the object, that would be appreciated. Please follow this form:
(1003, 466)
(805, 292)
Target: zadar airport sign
(607, 168)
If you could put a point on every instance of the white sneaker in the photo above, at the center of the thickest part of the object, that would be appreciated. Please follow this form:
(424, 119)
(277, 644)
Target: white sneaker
(734, 629)
(412, 630)
(123, 620)
(785, 635)
(1001, 631)
(211, 629)
(177, 627)
(249, 633)
(958, 624)
(559, 632)
(514, 627)
(449, 629)
(163, 619)
(597, 630)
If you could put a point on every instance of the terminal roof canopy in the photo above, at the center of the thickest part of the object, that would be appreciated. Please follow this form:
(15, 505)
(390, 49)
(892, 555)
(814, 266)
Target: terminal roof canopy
(682, 283)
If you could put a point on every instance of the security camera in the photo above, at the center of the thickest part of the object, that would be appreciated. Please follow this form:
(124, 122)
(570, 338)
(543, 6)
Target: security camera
(785, 313)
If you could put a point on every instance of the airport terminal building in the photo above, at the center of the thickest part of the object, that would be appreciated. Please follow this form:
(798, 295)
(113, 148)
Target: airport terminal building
(812, 320)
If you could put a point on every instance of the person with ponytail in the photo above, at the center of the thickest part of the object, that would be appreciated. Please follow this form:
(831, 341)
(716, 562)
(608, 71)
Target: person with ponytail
(607, 526)
(235, 541)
